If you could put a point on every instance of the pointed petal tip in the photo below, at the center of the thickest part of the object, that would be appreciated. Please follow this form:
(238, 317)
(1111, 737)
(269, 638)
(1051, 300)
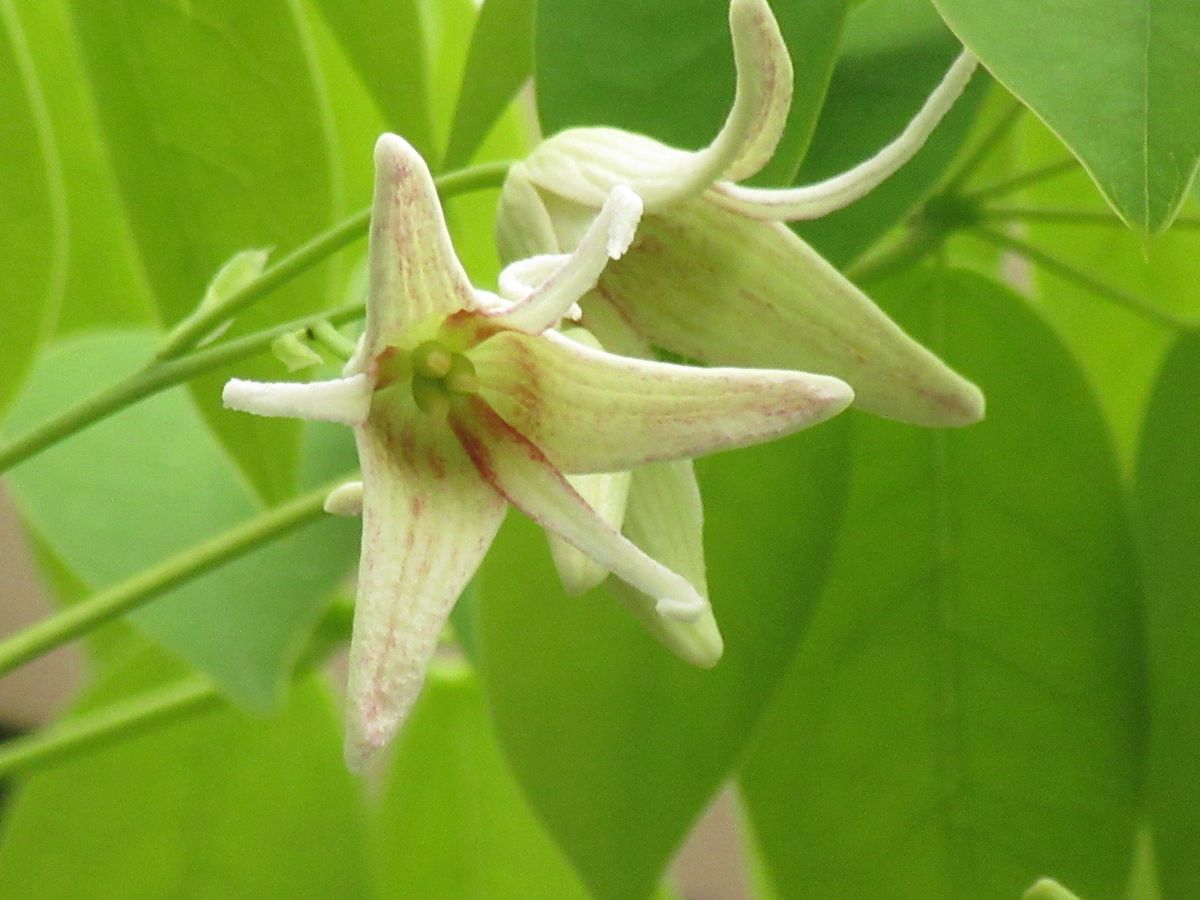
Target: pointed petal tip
(626, 207)
(390, 148)
(681, 609)
(968, 406)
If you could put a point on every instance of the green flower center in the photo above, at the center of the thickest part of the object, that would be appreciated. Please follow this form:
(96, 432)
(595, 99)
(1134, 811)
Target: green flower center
(439, 375)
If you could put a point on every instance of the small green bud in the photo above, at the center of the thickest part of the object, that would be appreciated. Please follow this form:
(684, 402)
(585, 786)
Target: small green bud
(291, 350)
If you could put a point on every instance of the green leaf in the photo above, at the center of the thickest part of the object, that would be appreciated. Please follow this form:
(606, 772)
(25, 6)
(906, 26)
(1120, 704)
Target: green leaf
(150, 482)
(894, 53)
(33, 235)
(963, 714)
(1120, 350)
(452, 822)
(218, 141)
(498, 63)
(219, 805)
(618, 744)
(104, 283)
(387, 43)
(666, 69)
(1168, 515)
(1125, 103)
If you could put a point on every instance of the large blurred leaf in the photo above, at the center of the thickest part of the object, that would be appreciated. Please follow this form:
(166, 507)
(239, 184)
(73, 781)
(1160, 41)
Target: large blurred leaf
(33, 227)
(498, 63)
(894, 53)
(666, 68)
(150, 482)
(452, 822)
(1120, 349)
(618, 744)
(962, 716)
(218, 806)
(1116, 80)
(218, 142)
(104, 284)
(1168, 513)
(387, 44)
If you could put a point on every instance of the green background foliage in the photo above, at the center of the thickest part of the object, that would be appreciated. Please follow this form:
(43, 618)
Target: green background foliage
(955, 661)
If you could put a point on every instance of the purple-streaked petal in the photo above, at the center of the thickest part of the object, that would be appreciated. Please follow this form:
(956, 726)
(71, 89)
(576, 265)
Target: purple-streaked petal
(428, 520)
(413, 273)
(727, 290)
(522, 473)
(592, 411)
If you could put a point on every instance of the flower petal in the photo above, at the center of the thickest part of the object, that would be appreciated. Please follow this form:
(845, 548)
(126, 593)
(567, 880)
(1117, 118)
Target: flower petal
(544, 299)
(606, 493)
(592, 411)
(523, 474)
(413, 272)
(582, 164)
(665, 518)
(428, 519)
(524, 227)
(715, 286)
(812, 201)
(344, 400)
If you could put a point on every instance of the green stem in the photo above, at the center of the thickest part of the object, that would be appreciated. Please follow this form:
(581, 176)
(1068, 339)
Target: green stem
(914, 247)
(170, 703)
(1065, 270)
(1067, 216)
(156, 377)
(1025, 179)
(122, 598)
(186, 698)
(986, 146)
(333, 340)
(187, 333)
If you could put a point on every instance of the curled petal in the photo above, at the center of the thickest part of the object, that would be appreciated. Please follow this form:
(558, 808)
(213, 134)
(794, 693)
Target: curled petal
(582, 164)
(428, 519)
(344, 400)
(547, 297)
(606, 493)
(592, 411)
(728, 290)
(812, 201)
(665, 518)
(523, 474)
(413, 272)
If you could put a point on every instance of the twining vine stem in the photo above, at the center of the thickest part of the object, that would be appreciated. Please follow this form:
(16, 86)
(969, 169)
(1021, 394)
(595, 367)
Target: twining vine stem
(122, 598)
(1065, 270)
(172, 365)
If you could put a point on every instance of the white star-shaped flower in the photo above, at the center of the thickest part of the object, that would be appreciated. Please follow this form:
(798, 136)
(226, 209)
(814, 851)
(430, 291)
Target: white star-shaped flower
(463, 402)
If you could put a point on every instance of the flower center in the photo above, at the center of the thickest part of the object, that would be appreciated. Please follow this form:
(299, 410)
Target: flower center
(439, 375)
